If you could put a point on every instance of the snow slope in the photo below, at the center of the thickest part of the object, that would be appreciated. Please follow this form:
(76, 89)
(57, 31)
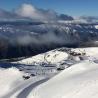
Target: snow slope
(53, 56)
(46, 81)
(8, 79)
(91, 52)
(58, 55)
(78, 81)
(61, 58)
(12, 82)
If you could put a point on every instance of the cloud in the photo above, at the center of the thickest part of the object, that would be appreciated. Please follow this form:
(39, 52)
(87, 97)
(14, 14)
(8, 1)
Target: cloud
(88, 18)
(28, 10)
(44, 39)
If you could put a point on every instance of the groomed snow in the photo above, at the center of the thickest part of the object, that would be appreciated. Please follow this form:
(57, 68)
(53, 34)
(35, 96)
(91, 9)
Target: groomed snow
(9, 79)
(78, 81)
(12, 82)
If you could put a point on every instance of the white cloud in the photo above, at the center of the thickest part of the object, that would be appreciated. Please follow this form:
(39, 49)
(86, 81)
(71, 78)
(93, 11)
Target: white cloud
(87, 19)
(28, 10)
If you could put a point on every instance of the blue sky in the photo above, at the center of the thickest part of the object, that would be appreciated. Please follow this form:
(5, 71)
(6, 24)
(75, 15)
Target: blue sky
(70, 7)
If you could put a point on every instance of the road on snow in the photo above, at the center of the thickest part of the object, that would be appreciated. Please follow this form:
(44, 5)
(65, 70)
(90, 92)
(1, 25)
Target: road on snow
(27, 90)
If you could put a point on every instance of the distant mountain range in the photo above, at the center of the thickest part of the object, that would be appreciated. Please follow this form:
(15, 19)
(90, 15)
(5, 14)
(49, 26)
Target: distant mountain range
(27, 38)
(23, 35)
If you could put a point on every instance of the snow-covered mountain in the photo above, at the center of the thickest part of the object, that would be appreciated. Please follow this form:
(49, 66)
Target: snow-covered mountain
(21, 35)
(44, 54)
(22, 38)
(62, 54)
(72, 70)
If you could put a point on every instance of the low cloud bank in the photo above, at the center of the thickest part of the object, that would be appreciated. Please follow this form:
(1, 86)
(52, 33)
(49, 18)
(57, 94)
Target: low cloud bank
(44, 39)
(87, 19)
